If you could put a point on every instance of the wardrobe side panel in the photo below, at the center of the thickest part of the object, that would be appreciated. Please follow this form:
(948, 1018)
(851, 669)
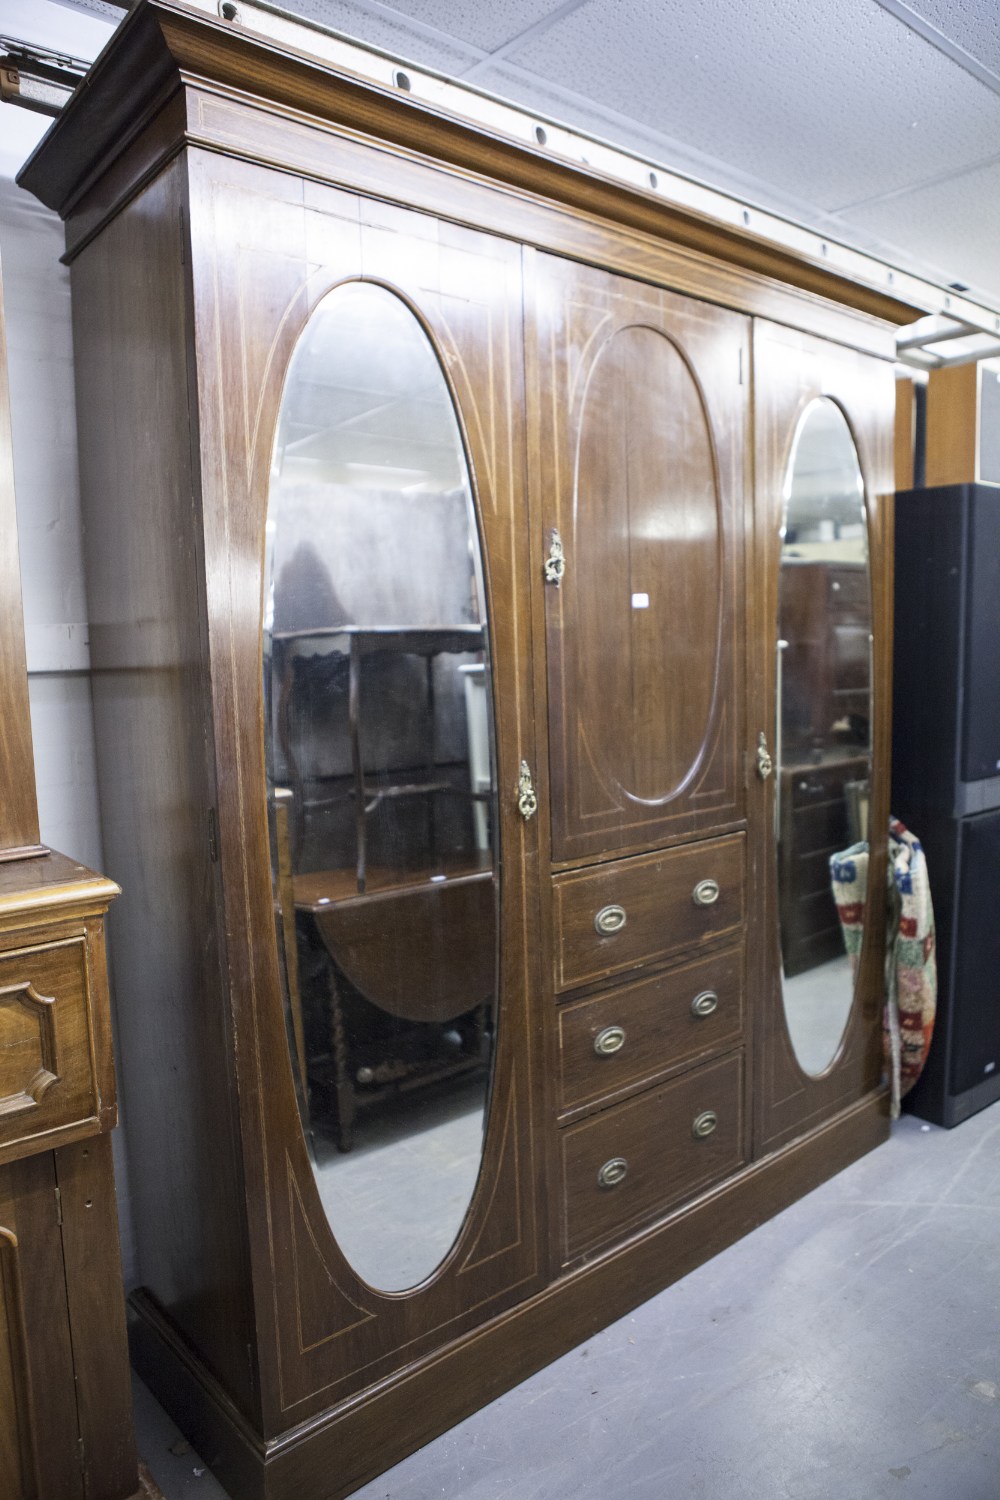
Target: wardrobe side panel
(153, 717)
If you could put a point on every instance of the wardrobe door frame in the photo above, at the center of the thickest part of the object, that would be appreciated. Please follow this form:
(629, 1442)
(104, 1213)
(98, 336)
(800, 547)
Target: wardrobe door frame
(323, 1335)
(791, 370)
(694, 329)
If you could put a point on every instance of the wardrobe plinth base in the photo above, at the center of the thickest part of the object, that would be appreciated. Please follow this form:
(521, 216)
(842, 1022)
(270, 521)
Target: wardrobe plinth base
(333, 1454)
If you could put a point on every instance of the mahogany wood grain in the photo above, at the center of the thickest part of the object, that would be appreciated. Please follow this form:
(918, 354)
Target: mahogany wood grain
(18, 1472)
(904, 434)
(335, 1454)
(952, 426)
(661, 914)
(43, 1424)
(18, 806)
(64, 1382)
(85, 1178)
(32, 893)
(790, 370)
(153, 717)
(47, 1065)
(662, 1031)
(665, 1162)
(642, 430)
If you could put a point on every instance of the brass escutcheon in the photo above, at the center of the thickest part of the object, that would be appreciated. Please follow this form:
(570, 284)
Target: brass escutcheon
(527, 801)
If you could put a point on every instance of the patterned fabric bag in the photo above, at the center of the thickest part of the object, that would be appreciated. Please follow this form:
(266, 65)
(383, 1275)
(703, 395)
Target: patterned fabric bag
(911, 966)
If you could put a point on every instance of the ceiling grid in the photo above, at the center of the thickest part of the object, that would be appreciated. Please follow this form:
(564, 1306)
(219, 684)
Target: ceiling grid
(873, 123)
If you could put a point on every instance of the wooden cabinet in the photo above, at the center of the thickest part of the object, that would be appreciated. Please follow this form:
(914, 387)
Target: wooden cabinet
(65, 1397)
(65, 1394)
(539, 864)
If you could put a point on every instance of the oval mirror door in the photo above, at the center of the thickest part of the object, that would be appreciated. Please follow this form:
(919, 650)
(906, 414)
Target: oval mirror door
(380, 782)
(823, 728)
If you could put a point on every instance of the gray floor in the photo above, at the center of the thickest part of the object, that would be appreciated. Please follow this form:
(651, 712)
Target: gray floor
(847, 1350)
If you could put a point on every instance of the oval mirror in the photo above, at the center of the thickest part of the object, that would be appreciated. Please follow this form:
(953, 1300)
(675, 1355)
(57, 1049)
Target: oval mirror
(823, 731)
(380, 782)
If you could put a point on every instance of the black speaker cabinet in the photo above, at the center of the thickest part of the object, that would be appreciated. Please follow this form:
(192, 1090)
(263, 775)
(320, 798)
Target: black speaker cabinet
(946, 772)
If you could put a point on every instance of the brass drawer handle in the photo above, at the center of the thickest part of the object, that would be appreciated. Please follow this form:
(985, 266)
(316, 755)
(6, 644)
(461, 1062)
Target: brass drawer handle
(609, 1041)
(704, 1124)
(613, 1172)
(705, 1004)
(705, 893)
(609, 919)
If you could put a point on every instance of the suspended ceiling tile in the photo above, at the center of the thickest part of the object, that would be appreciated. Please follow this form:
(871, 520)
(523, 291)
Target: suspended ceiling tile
(830, 104)
(390, 32)
(973, 24)
(953, 226)
(486, 26)
(46, 23)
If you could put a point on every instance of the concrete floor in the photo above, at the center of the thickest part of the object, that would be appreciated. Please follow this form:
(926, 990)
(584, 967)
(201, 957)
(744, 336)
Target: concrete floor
(847, 1350)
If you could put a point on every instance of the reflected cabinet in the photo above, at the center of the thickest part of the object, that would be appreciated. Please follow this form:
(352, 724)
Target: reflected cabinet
(488, 569)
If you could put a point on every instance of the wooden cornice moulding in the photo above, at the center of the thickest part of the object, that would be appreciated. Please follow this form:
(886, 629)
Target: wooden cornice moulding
(164, 46)
(53, 885)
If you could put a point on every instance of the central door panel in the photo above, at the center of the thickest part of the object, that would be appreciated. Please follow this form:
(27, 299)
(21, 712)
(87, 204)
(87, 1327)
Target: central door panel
(642, 409)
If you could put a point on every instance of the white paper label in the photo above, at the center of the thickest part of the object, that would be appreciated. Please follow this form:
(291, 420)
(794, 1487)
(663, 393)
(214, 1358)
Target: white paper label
(640, 601)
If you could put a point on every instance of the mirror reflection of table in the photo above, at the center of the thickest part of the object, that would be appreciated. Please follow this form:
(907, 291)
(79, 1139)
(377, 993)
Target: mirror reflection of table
(403, 955)
(419, 948)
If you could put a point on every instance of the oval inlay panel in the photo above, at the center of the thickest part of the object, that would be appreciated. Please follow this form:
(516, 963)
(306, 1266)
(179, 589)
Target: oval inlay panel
(647, 567)
(381, 786)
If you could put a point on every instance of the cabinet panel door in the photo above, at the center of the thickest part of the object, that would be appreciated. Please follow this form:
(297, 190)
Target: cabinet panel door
(39, 1428)
(270, 250)
(824, 704)
(641, 418)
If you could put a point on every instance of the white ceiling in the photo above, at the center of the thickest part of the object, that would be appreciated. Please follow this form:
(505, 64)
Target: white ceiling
(876, 122)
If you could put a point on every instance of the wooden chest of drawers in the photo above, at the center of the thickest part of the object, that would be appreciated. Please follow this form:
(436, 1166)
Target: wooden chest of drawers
(622, 1039)
(634, 1161)
(633, 913)
(633, 1146)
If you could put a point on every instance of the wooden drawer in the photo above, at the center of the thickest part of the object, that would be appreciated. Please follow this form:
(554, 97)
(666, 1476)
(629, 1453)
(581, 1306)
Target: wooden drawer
(849, 594)
(824, 827)
(618, 1040)
(655, 895)
(812, 784)
(48, 1084)
(665, 1161)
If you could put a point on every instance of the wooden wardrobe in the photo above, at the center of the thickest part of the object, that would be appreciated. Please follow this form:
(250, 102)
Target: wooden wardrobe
(510, 839)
